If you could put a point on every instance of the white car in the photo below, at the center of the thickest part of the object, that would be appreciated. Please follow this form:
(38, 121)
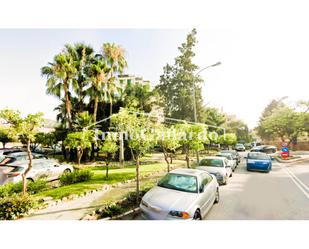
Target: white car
(42, 168)
(231, 161)
(182, 194)
(218, 166)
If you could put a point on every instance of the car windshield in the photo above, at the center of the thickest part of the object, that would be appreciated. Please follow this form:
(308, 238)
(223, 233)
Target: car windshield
(179, 182)
(229, 151)
(228, 156)
(211, 162)
(258, 156)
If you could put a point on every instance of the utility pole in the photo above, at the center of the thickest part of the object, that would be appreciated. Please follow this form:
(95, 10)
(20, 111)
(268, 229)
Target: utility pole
(194, 102)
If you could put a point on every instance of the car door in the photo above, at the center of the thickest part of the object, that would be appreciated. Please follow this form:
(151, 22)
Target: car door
(40, 170)
(207, 192)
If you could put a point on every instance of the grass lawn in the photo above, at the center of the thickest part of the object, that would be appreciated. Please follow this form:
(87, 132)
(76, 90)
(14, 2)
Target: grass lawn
(115, 175)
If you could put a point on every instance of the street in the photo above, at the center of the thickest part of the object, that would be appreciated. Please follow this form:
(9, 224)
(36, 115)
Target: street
(281, 194)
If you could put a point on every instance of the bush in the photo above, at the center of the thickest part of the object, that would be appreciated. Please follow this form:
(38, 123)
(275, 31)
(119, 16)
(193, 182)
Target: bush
(15, 206)
(75, 176)
(15, 188)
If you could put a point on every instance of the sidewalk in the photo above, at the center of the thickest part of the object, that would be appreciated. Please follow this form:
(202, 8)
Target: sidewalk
(80, 207)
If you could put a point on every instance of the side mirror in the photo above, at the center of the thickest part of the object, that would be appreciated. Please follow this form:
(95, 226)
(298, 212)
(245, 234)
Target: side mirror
(202, 189)
(245, 157)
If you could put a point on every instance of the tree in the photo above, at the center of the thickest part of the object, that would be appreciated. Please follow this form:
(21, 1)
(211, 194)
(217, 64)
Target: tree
(109, 149)
(60, 74)
(25, 129)
(169, 142)
(140, 97)
(213, 117)
(82, 55)
(79, 140)
(114, 56)
(5, 136)
(228, 139)
(192, 137)
(97, 74)
(178, 82)
(285, 123)
(140, 138)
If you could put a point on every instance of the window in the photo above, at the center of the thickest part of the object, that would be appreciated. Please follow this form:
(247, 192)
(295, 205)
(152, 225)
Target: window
(211, 162)
(179, 182)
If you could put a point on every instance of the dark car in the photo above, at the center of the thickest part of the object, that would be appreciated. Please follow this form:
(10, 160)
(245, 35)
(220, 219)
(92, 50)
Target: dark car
(235, 154)
(268, 149)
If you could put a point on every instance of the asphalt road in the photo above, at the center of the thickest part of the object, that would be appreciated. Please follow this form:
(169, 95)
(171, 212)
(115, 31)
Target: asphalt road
(281, 194)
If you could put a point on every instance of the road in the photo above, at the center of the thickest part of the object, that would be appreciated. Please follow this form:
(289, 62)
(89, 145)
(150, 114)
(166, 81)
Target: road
(281, 194)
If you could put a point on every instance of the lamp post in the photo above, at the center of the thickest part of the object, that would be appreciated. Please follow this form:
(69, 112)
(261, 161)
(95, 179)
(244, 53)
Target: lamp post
(194, 99)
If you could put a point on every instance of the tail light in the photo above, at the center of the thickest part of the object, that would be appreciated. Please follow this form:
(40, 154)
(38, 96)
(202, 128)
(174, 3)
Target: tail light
(14, 174)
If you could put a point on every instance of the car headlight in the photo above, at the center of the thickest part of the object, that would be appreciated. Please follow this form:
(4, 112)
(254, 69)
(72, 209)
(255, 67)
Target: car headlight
(179, 214)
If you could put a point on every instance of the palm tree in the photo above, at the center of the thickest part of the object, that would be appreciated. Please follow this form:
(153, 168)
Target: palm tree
(96, 73)
(60, 74)
(82, 54)
(114, 56)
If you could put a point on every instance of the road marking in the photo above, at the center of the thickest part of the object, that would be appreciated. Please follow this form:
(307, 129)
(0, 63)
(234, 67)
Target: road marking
(302, 187)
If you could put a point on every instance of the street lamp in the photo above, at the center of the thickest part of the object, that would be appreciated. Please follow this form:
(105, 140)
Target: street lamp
(194, 100)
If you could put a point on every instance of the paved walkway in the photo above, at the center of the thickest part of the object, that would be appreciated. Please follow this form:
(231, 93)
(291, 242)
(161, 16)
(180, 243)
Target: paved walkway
(69, 210)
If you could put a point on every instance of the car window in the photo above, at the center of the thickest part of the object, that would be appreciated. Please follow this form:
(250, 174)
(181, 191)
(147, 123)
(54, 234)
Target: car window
(258, 156)
(179, 182)
(211, 162)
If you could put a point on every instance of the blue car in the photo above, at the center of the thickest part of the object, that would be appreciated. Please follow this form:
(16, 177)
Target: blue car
(259, 161)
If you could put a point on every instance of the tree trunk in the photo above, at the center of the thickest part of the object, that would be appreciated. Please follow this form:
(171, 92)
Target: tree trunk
(137, 179)
(107, 164)
(121, 150)
(67, 103)
(166, 159)
(24, 175)
(110, 105)
(187, 158)
(79, 156)
(95, 108)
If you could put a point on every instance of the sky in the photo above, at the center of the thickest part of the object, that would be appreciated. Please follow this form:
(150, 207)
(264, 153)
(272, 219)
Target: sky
(258, 64)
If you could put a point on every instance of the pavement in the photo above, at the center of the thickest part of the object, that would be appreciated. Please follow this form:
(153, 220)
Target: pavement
(282, 194)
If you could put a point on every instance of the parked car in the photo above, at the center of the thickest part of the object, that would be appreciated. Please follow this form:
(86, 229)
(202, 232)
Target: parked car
(231, 161)
(259, 161)
(217, 166)
(240, 147)
(248, 146)
(268, 149)
(235, 154)
(182, 194)
(41, 168)
(19, 156)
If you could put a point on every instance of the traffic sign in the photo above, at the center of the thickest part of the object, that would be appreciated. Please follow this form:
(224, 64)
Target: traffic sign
(284, 144)
(284, 154)
(285, 149)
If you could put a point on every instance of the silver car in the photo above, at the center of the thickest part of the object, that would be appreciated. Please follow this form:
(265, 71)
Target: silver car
(42, 168)
(218, 166)
(182, 194)
(231, 161)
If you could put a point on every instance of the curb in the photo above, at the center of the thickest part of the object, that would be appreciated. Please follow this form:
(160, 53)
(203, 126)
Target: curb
(291, 161)
(135, 210)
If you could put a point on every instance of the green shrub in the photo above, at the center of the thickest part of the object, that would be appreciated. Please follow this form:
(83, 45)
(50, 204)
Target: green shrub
(15, 206)
(15, 188)
(75, 176)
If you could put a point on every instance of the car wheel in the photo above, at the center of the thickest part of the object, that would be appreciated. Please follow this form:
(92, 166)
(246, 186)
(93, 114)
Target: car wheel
(217, 199)
(67, 171)
(197, 215)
